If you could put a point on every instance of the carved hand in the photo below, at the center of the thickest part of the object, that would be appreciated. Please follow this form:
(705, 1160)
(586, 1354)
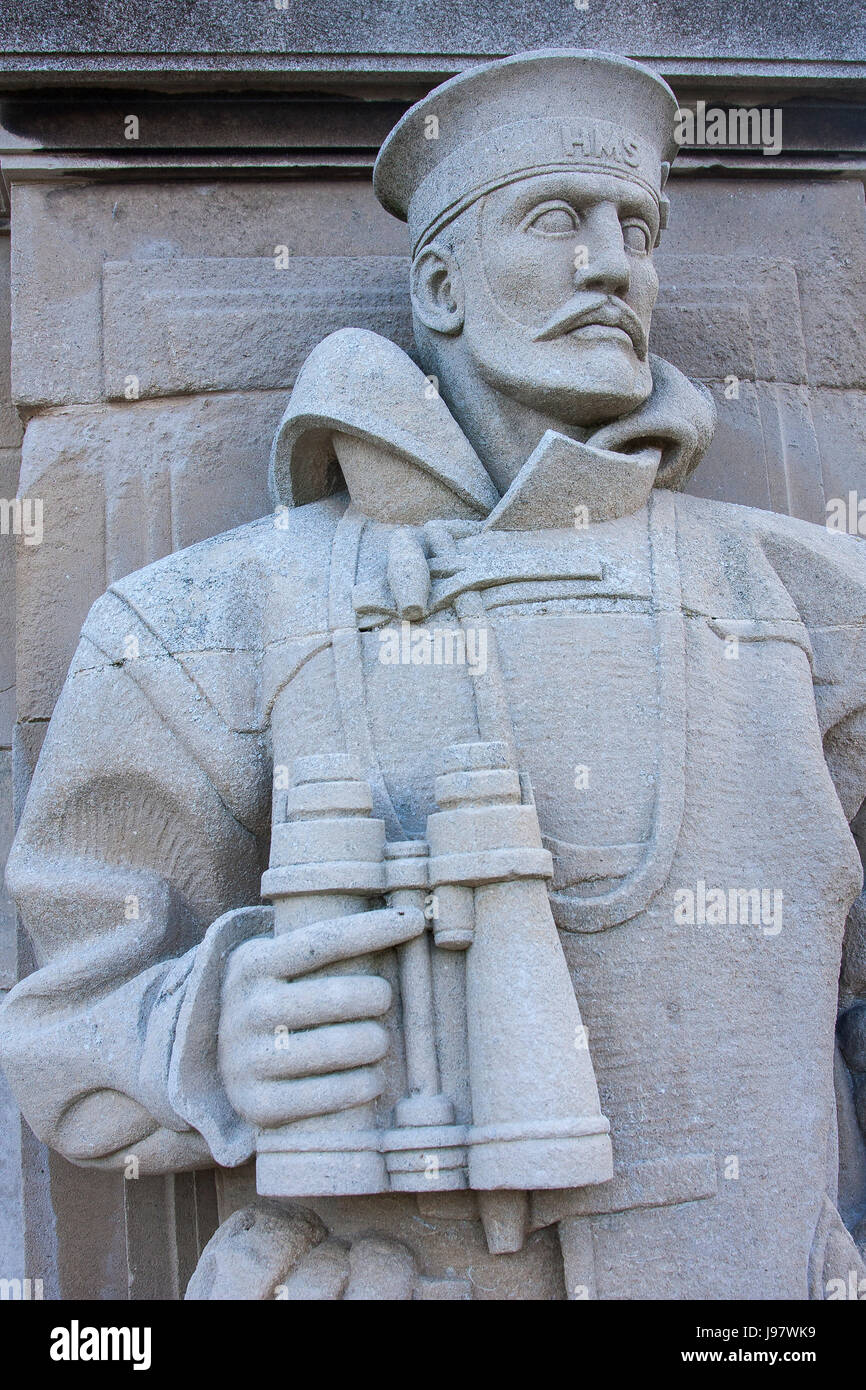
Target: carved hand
(291, 1047)
(285, 1252)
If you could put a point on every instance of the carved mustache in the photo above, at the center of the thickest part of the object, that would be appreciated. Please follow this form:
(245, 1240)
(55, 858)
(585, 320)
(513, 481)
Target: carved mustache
(597, 308)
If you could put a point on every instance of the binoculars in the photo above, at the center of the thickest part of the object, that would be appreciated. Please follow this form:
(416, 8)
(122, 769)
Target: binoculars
(527, 1115)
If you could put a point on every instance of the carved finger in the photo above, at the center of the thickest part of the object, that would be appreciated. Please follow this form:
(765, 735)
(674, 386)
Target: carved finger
(247, 963)
(280, 1102)
(380, 1270)
(340, 938)
(322, 1275)
(309, 1003)
(321, 1050)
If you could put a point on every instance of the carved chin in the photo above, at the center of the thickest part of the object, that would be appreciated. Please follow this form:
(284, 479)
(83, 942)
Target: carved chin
(581, 384)
(607, 382)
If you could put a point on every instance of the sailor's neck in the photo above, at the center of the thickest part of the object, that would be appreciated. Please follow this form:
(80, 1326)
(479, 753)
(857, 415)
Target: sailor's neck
(502, 431)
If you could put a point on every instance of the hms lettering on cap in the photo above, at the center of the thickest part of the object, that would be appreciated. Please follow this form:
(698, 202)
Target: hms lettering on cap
(602, 141)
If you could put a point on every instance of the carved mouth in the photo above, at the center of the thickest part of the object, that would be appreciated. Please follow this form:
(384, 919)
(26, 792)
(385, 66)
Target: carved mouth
(604, 330)
(602, 314)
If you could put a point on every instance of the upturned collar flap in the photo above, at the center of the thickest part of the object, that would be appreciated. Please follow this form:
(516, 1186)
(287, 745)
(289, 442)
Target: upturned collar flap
(359, 392)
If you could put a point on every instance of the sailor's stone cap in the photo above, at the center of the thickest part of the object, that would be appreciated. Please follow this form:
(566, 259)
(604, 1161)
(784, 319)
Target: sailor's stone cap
(541, 112)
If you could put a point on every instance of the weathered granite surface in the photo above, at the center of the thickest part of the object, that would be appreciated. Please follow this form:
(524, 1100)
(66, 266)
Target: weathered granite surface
(308, 33)
(182, 303)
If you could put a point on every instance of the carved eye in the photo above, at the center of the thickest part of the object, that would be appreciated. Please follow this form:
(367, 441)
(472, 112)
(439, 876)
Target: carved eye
(636, 236)
(554, 220)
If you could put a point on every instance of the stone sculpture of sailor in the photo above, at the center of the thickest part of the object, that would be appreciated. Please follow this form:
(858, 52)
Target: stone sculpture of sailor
(482, 591)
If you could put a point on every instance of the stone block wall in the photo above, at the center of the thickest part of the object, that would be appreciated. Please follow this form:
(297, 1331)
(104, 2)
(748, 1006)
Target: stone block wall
(164, 293)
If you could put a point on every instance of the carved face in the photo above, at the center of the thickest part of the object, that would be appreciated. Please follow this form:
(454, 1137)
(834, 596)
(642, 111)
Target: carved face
(559, 287)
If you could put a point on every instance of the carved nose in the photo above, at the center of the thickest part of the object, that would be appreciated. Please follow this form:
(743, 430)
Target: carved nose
(607, 265)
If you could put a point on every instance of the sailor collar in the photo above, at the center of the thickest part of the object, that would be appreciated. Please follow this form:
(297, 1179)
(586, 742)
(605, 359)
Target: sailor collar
(363, 414)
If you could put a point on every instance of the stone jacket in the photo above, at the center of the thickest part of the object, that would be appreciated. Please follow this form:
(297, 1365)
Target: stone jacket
(702, 663)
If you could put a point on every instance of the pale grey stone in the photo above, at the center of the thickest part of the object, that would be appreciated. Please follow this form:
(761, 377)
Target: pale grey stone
(10, 424)
(821, 232)
(186, 325)
(122, 486)
(8, 923)
(765, 450)
(483, 28)
(467, 986)
(718, 317)
(10, 460)
(11, 1231)
(67, 232)
(737, 324)
(840, 425)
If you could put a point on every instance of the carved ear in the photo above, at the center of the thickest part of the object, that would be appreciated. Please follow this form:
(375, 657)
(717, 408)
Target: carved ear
(437, 289)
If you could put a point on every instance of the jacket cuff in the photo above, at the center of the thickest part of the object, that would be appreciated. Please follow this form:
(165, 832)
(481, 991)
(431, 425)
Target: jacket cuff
(195, 1087)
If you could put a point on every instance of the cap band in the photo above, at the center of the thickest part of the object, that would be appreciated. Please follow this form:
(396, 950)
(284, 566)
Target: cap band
(521, 149)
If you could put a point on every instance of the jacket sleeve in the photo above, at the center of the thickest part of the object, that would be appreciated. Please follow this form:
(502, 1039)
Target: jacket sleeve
(143, 826)
(824, 573)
